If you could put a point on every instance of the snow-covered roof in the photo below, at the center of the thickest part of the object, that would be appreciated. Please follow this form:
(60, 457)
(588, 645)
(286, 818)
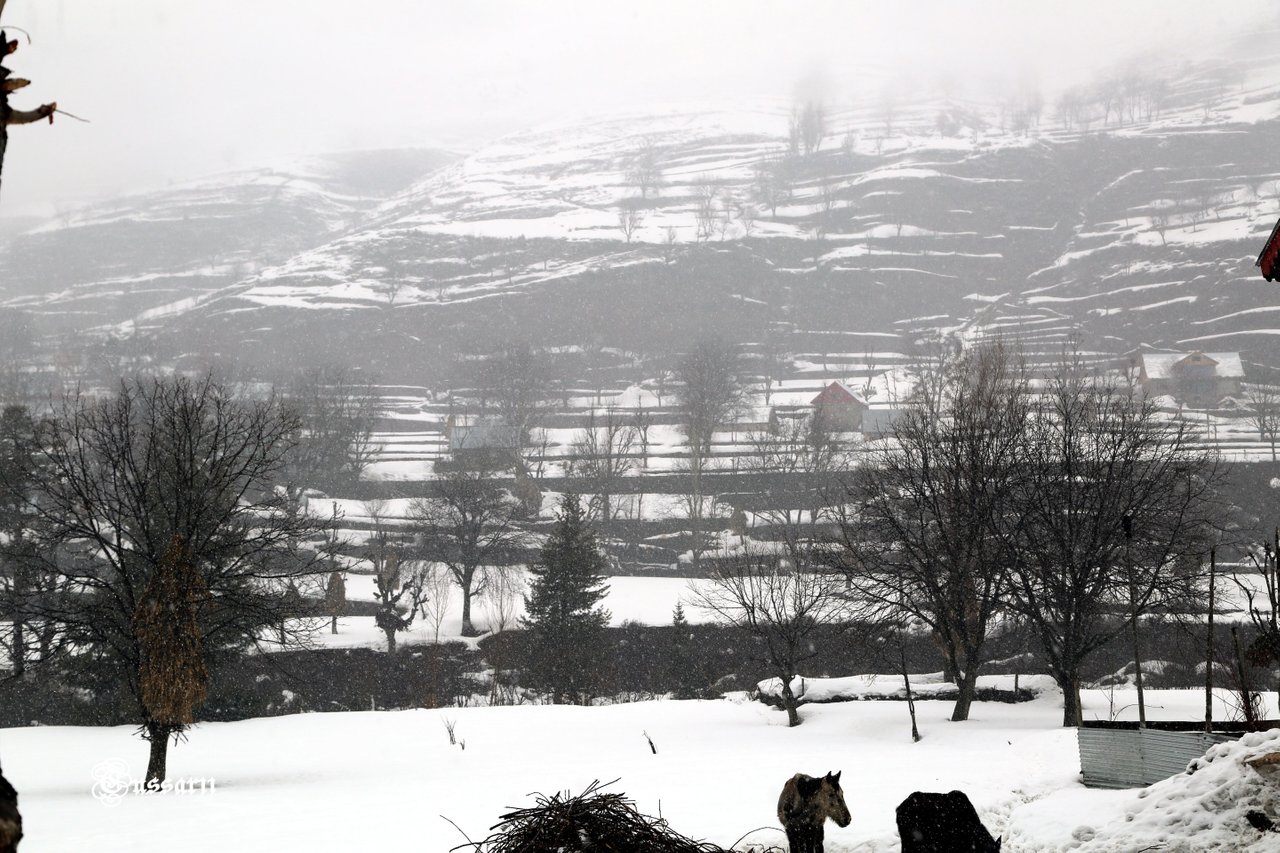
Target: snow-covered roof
(635, 397)
(1159, 365)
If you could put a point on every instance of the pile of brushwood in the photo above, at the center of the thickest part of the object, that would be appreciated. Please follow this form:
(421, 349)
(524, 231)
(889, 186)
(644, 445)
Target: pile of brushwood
(592, 821)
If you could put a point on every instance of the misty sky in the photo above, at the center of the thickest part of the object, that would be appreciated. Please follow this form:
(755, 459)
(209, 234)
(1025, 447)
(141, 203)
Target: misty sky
(179, 88)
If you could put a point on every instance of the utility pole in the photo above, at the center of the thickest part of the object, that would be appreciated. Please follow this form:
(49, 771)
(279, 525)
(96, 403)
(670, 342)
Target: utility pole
(1208, 663)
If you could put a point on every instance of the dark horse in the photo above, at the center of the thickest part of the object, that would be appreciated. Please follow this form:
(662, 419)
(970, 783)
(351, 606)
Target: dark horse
(10, 820)
(942, 823)
(805, 804)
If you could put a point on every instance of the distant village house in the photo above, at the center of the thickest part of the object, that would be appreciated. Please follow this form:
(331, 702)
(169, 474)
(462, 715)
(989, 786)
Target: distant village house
(838, 409)
(1196, 378)
(483, 441)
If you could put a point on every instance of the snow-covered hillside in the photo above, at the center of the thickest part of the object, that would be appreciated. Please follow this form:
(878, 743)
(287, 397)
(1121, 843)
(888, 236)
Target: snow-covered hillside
(640, 231)
(131, 262)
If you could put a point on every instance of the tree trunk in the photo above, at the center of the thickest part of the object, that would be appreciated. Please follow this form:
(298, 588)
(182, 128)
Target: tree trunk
(1137, 667)
(789, 702)
(468, 630)
(968, 685)
(1072, 713)
(158, 735)
(391, 641)
(19, 647)
(906, 683)
(333, 624)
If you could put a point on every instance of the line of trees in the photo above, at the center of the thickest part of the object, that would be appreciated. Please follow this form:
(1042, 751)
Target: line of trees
(1067, 501)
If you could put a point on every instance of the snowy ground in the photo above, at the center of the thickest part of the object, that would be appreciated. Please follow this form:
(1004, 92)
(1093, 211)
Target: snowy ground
(371, 781)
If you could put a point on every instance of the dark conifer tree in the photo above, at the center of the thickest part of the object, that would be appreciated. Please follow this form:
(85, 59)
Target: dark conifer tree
(682, 677)
(563, 618)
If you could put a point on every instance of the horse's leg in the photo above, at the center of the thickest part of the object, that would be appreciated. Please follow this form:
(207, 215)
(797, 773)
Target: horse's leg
(793, 840)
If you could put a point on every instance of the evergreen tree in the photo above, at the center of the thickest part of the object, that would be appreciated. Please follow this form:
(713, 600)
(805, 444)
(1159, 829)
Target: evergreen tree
(682, 677)
(562, 614)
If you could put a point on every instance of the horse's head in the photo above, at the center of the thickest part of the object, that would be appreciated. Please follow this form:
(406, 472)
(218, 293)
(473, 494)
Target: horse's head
(830, 799)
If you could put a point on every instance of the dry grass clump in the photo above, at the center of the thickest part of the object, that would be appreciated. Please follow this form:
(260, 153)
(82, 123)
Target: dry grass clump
(591, 821)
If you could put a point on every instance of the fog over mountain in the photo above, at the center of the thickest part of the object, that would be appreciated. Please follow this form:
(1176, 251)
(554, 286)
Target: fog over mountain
(177, 90)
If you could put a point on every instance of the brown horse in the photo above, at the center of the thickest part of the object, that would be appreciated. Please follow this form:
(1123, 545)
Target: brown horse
(804, 806)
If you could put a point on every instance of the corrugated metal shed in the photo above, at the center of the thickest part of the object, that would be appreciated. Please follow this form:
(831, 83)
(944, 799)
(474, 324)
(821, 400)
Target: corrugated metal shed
(1135, 758)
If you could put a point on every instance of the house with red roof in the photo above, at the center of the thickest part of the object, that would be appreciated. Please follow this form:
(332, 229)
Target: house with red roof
(837, 408)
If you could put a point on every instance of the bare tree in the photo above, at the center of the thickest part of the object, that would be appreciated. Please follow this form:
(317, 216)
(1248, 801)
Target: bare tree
(336, 412)
(1113, 497)
(710, 394)
(1264, 413)
(888, 110)
(1161, 212)
(812, 120)
(794, 501)
(467, 524)
(710, 391)
(669, 245)
(704, 211)
(505, 591)
(164, 460)
(929, 515)
(516, 378)
(630, 217)
(645, 173)
(772, 183)
(437, 582)
(1265, 615)
(641, 423)
(747, 215)
(786, 610)
(601, 456)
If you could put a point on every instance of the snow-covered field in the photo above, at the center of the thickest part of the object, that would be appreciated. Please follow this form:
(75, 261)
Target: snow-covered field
(388, 780)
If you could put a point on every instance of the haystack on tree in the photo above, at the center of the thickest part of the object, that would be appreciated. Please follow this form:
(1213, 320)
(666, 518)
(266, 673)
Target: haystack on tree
(165, 458)
(400, 598)
(9, 84)
(562, 614)
(335, 599)
(172, 675)
(930, 513)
